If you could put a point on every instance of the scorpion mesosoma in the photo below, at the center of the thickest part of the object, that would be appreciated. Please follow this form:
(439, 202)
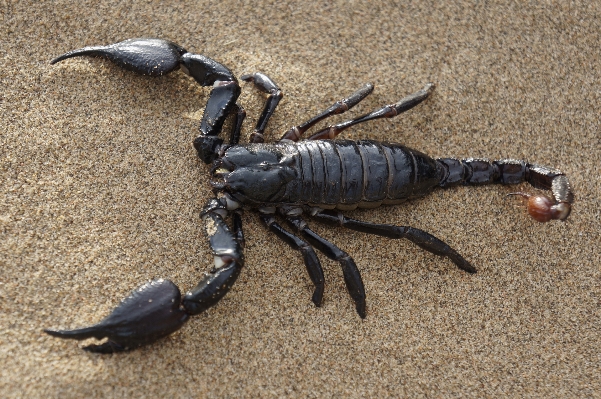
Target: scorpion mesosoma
(317, 176)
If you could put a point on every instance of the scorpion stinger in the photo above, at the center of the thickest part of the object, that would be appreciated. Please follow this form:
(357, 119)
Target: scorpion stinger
(320, 177)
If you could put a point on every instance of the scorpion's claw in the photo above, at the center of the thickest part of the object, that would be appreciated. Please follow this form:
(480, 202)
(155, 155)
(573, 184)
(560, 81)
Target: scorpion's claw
(150, 312)
(154, 57)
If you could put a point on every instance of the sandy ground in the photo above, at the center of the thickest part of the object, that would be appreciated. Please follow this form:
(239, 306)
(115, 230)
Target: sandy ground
(100, 191)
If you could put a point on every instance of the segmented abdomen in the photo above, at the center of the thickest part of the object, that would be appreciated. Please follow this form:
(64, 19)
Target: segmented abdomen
(348, 174)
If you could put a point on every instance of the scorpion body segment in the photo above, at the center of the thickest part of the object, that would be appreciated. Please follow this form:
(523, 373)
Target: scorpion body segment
(319, 177)
(328, 174)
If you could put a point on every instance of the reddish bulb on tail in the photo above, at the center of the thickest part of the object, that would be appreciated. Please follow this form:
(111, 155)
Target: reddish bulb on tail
(543, 209)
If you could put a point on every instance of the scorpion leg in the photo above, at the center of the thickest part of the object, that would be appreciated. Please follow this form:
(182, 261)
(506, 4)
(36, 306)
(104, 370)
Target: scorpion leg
(352, 277)
(309, 256)
(238, 233)
(339, 107)
(157, 57)
(419, 237)
(265, 84)
(510, 171)
(239, 115)
(388, 111)
(156, 309)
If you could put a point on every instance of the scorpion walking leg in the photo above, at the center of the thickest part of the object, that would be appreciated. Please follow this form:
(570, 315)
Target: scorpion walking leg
(309, 256)
(238, 233)
(157, 57)
(156, 309)
(472, 171)
(388, 111)
(419, 237)
(265, 84)
(339, 107)
(352, 277)
(239, 115)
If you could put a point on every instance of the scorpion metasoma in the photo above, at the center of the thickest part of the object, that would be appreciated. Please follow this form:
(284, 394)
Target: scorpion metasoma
(318, 177)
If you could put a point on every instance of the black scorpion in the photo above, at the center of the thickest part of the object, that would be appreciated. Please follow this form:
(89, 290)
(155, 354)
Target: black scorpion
(289, 178)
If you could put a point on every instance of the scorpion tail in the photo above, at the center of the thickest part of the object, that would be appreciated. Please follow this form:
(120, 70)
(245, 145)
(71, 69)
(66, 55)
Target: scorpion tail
(150, 312)
(510, 171)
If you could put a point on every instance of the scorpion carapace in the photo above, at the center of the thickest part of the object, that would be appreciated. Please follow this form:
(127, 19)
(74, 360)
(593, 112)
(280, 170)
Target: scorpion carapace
(319, 177)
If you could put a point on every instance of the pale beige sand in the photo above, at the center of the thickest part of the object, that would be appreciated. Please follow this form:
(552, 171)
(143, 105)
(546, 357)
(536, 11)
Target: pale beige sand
(101, 190)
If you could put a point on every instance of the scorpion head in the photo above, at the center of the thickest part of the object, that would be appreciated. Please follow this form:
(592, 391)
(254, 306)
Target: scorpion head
(253, 174)
(260, 184)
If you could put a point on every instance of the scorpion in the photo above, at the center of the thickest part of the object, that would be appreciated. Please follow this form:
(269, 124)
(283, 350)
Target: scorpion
(319, 177)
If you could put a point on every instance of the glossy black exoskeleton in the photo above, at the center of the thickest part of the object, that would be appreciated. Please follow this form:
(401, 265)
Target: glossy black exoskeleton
(318, 176)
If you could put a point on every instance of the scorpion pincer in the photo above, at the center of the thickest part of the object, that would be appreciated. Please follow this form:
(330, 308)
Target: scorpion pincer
(318, 177)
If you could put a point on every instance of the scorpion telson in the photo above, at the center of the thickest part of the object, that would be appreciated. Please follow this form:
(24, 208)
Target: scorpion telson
(318, 177)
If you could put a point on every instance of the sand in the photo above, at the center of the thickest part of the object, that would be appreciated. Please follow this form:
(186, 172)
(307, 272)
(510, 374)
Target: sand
(100, 191)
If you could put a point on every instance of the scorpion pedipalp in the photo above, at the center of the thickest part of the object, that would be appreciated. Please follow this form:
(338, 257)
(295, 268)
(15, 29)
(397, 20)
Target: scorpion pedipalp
(157, 309)
(150, 312)
(157, 57)
(153, 57)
